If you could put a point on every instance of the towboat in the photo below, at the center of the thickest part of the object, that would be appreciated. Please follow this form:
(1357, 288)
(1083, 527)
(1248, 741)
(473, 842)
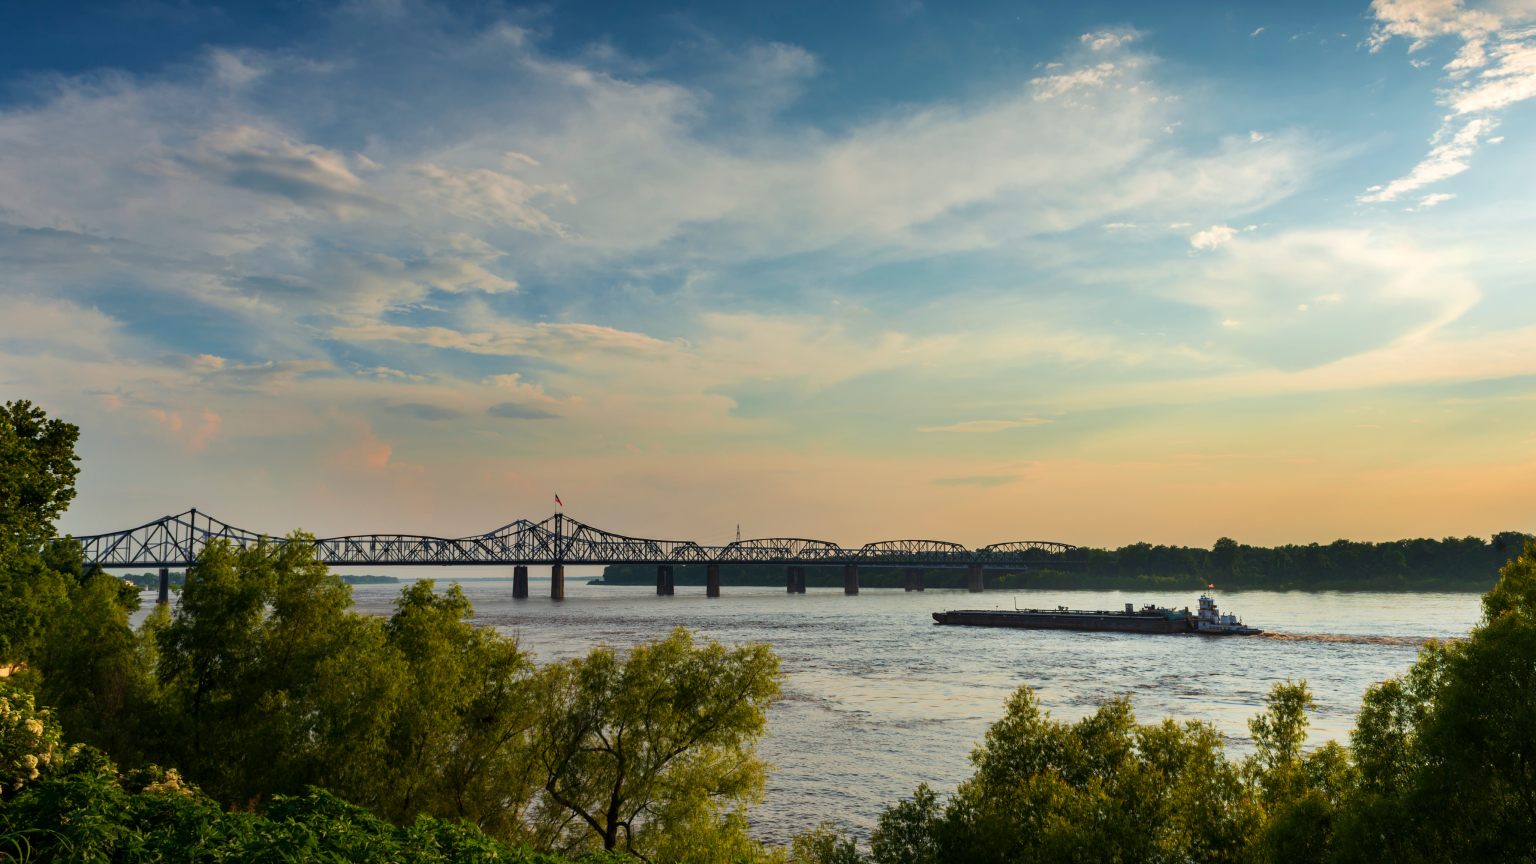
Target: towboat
(1212, 623)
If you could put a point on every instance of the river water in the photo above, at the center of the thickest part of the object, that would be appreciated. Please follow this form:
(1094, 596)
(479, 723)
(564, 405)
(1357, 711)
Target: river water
(877, 698)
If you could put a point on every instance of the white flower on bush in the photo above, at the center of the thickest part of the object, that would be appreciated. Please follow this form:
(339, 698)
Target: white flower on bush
(28, 738)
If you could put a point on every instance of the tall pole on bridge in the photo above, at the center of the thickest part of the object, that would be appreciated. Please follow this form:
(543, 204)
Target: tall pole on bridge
(557, 570)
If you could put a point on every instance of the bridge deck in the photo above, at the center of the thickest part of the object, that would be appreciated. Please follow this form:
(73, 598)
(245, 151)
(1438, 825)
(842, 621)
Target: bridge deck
(176, 541)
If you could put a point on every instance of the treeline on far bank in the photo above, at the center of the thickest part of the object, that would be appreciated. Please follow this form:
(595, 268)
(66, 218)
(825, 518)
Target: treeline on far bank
(1452, 564)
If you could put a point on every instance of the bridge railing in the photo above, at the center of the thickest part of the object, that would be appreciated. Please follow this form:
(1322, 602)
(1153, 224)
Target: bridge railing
(176, 541)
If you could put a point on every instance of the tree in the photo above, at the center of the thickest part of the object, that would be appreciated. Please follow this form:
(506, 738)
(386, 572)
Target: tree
(95, 669)
(1101, 789)
(37, 482)
(1447, 751)
(277, 685)
(37, 474)
(654, 752)
(1301, 792)
(460, 738)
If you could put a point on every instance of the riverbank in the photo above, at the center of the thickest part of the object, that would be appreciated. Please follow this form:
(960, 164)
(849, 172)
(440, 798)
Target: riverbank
(1052, 580)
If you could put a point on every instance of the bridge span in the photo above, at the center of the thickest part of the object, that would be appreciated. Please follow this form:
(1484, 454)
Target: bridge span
(177, 541)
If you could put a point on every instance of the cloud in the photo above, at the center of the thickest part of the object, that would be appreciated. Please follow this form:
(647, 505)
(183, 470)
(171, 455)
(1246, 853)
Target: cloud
(1103, 41)
(267, 163)
(544, 340)
(223, 373)
(491, 196)
(422, 411)
(1494, 68)
(514, 383)
(1380, 291)
(1429, 201)
(986, 425)
(1447, 159)
(517, 411)
(1212, 237)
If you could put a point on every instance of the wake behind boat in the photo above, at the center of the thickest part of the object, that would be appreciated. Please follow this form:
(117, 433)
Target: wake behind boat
(1148, 619)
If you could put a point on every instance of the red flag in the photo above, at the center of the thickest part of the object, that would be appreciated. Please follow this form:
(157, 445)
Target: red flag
(558, 501)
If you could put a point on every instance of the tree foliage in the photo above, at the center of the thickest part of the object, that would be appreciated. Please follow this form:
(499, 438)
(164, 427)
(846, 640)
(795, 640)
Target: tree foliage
(37, 474)
(87, 812)
(653, 752)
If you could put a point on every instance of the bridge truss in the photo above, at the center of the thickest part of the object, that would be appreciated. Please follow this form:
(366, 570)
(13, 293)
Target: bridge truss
(176, 541)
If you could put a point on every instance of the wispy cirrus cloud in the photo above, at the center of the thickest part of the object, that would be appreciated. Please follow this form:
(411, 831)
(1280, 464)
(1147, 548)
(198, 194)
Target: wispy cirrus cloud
(1494, 68)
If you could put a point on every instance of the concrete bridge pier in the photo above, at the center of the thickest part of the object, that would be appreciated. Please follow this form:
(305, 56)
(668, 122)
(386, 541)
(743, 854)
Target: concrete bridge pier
(850, 578)
(165, 586)
(789, 580)
(973, 579)
(670, 582)
(712, 580)
(661, 580)
(799, 580)
(557, 582)
(914, 579)
(520, 582)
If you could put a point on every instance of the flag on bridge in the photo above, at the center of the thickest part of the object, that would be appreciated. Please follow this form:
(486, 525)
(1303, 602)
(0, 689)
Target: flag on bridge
(558, 501)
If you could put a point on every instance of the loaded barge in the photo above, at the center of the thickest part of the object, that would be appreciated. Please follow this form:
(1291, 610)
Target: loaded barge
(1148, 619)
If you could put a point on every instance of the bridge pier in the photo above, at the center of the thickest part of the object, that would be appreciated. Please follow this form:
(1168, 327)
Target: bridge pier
(661, 580)
(974, 578)
(712, 580)
(799, 580)
(850, 578)
(914, 579)
(789, 580)
(165, 586)
(520, 582)
(670, 583)
(557, 582)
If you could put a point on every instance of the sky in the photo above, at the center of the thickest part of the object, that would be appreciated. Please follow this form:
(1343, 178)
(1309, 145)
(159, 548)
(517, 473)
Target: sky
(1097, 273)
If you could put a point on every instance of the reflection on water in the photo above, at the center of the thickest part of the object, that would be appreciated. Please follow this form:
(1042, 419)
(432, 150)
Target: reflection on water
(878, 698)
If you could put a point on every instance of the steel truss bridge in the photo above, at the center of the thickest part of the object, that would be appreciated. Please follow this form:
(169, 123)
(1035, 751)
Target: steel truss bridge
(177, 541)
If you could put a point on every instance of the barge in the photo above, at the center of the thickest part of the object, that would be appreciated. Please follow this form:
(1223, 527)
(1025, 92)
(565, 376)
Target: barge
(1147, 619)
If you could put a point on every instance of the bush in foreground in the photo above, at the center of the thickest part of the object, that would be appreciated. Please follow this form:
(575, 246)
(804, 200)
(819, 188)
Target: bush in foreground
(82, 810)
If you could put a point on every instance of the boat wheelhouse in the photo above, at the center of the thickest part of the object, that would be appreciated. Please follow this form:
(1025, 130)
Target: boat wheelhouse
(1210, 620)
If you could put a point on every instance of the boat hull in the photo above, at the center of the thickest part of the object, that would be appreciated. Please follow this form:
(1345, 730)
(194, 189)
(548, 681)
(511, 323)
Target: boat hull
(1239, 631)
(1090, 621)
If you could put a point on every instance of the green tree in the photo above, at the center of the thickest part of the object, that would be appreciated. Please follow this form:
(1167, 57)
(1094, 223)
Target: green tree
(37, 482)
(37, 474)
(905, 833)
(1447, 751)
(654, 752)
(1101, 789)
(825, 844)
(93, 666)
(1301, 792)
(460, 739)
(277, 685)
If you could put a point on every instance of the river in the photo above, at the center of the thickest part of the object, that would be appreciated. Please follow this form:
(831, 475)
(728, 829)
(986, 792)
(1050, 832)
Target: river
(877, 698)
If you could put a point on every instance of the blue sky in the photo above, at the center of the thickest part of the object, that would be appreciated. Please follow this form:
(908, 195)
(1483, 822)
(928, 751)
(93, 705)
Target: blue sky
(1092, 272)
